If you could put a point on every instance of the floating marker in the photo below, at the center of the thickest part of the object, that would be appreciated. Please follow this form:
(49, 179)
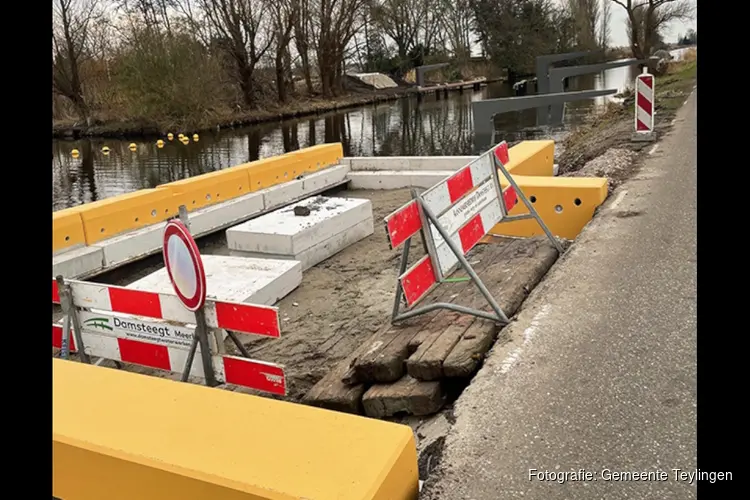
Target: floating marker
(105, 150)
(170, 136)
(74, 153)
(195, 137)
(159, 143)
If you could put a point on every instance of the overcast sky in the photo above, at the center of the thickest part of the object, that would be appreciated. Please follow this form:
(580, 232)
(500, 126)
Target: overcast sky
(618, 28)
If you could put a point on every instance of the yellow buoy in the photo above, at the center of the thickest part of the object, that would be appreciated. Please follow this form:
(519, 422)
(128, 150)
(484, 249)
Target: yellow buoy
(170, 136)
(132, 146)
(74, 153)
(185, 141)
(180, 136)
(159, 143)
(195, 137)
(105, 150)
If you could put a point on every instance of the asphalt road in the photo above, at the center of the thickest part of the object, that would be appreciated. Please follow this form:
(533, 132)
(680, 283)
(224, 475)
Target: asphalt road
(600, 374)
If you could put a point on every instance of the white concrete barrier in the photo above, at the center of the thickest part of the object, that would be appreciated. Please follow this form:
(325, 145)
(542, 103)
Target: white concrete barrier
(392, 179)
(398, 163)
(331, 225)
(236, 279)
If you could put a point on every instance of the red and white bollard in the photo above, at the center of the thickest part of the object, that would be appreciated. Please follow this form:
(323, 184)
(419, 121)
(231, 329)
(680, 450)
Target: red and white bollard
(644, 107)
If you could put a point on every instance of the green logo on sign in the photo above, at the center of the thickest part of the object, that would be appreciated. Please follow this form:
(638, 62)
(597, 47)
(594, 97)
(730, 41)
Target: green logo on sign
(101, 323)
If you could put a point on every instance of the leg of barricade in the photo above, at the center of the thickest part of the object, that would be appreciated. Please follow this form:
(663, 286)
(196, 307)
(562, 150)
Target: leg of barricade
(401, 271)
(529, 205)
(71, 319)
(464, 263)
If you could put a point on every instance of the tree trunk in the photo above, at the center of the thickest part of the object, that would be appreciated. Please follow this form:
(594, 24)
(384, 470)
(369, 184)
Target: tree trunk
(281, 83)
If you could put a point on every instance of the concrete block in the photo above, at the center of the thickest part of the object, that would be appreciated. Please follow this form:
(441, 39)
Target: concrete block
(209, 219)
(78, 262)
(122, 435)
(281, 194)
(236, 279)
(394, 179)
(309, 239)
(324, 178)
(398, 163)
(131, 246)
(320, 252)
(555, 169)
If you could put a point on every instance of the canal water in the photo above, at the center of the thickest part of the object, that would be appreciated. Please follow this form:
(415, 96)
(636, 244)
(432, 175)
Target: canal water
(397, 128)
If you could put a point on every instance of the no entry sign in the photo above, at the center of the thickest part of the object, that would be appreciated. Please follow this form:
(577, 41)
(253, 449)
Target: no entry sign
(184, 265)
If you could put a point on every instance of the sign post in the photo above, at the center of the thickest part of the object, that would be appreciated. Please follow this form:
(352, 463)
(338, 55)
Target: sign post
(184, 266)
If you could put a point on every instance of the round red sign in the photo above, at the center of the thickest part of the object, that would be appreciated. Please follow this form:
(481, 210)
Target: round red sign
(184, 265)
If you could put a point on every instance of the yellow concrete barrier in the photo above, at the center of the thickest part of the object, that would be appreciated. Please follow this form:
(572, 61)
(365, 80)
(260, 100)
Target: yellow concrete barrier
(565, 204)
(120, 435)
(210, 188)
(533, 158)
(319, 157)
(67, 229)
(111, 216)
(275, 170)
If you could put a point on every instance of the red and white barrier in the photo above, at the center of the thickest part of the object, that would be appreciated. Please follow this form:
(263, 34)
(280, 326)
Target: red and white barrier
(242, 318)
(467, 205)
(244, 372)
(644, 103)
(107, 332)
(406, 221)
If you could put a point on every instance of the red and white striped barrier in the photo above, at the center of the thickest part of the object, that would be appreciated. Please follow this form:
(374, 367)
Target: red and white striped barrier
(238, 317)
(467, 205)
(244, 372)
(644, 103)
(116, 326)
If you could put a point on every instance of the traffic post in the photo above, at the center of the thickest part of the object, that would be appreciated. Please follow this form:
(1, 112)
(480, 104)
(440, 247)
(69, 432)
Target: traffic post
(452, 217)
(644, 107)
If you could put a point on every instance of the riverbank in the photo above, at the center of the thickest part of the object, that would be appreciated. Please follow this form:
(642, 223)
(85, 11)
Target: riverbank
(603, 146)
(300, 108)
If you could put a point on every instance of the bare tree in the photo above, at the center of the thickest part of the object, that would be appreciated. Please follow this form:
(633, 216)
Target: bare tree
(585, 15)
(647, 19)
(71, 35)
(302, 30)
(458, 23)
(239, 25)
(402, 21)
(335, 23)
(284, 14)
(604, 29)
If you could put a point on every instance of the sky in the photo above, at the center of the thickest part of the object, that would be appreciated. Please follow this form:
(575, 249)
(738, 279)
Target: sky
(618, 28)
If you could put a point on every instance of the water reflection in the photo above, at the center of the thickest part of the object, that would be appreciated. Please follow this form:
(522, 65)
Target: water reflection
(405, 127)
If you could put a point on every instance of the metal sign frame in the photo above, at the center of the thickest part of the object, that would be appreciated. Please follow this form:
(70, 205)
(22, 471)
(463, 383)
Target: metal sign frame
(420, 216)
(151, 315)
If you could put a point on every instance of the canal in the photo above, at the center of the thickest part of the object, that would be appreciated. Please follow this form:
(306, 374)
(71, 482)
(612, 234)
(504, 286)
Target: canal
(402, 127)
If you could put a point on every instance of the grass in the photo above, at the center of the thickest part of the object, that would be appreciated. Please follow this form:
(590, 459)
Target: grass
(677, 84)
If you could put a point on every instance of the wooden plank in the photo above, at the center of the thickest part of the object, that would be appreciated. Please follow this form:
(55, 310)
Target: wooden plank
(427, 362)
(385, 359)
(333, 393)
(530, 265)
(407, 395)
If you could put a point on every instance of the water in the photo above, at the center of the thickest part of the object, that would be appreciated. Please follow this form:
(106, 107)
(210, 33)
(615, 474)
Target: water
(404, 127)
